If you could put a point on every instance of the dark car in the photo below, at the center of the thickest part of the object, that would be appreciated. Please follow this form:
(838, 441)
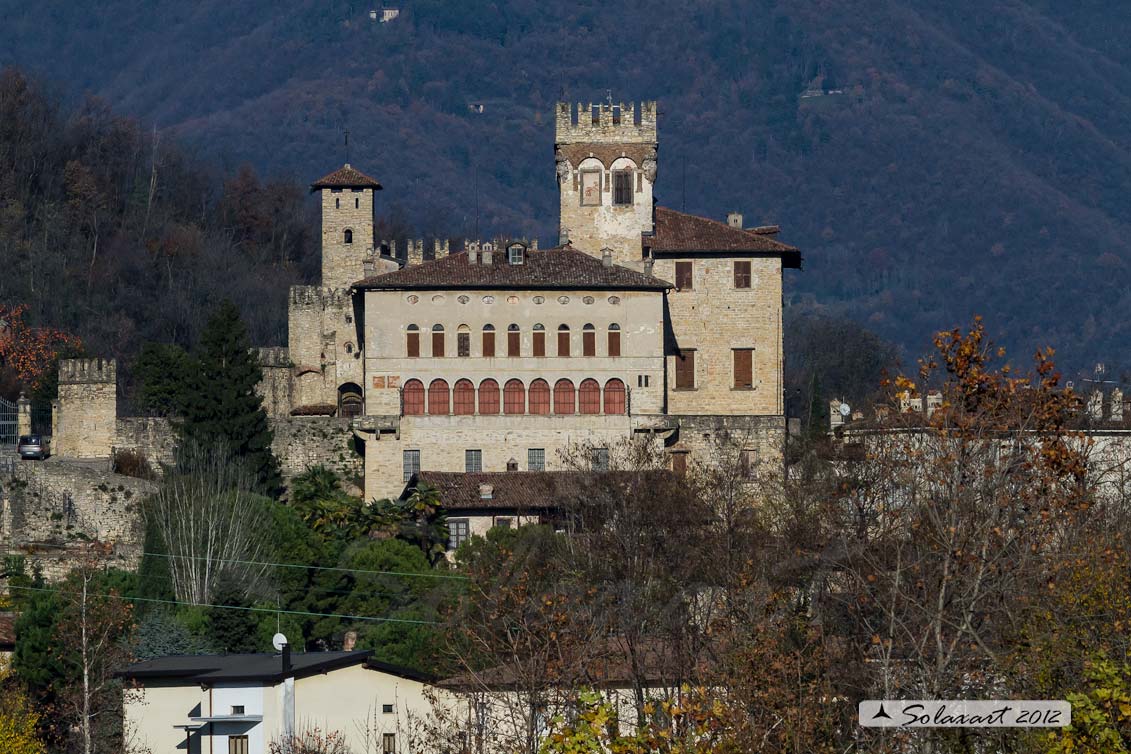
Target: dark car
(32, 446)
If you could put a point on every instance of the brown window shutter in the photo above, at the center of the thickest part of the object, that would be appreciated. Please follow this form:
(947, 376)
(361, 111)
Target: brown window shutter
(413, 345)
(488, 344)
(741, 274)
(685, 370)
(589, 343)
(513, 344)
(683, 275)
(539, 344)
(614, 343)
(563, 344)
(743, 368)
(437, 344)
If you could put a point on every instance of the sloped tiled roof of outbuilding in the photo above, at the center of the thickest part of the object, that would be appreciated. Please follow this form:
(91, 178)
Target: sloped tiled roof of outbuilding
(680, 232)
(523, 490)
(346, 176)
(560, 268)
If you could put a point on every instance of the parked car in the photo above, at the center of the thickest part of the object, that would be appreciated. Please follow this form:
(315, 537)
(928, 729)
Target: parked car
(33, 446)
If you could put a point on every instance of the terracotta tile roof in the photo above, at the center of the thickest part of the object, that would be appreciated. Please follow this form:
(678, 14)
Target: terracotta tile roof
(677, 232)
(560, 268)
(345, 177)
(7, 630)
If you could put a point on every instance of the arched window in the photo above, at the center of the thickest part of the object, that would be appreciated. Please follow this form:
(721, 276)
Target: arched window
(437, 340)
(514, 340)
(350, 400)
(614, 339)
(413, 397)
(488, 341)
(614, 397)
(488, 397)
(463, 398)
(438, 398)
(348, 236)
(589, 397)
(539, 340)
(514, 397)
(588, 341)
(337, 203)
(463, 341)
(412, 342)
(540, 397)
(563, 340)
(563, 397)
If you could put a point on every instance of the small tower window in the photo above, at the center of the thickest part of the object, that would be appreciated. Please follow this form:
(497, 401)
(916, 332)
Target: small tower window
(622, 187)
(348, 236)
(357, 202)
(337, 203)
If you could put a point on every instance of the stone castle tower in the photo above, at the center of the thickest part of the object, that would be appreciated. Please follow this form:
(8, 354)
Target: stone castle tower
(347, 224)
(606, 167)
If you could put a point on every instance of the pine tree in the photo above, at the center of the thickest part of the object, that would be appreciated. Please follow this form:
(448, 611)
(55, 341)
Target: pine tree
(160, 371)
(221, 407)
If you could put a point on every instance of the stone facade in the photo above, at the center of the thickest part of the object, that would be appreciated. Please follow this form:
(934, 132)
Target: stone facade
(347, 234)
(87, 412)
(152, 436)
(304, 441)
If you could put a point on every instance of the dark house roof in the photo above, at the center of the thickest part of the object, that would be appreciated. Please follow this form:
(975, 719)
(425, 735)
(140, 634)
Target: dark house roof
(560, 268)
(7, 631)
(678, 233)
(241, 667)
(345, 177)
(524, 490)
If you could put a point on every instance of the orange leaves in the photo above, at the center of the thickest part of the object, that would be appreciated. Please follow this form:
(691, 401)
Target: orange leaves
(30, 352)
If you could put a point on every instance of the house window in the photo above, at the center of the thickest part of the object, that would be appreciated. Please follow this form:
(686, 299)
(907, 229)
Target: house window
(591, 188)
(685, 370)
(489, 341)
(412, 342)
(356, 203)
(463, 342)
(514, 397)
(563, 340)
(513, 341)
(742, 274)
(237, 744)
(458, 532)
(488, 397)
(588, 341)
(563, 397)
(622, 187)
(589, 395)
(438, 398)
(642, 380)
(743, 368)
(515, 253)
(614, 397)
(504, 522)
(683, 276)
(473, 461)
(463, 398)
(388, 743)
(237, 709)
(600, 459)
(540, 397)
(614, 340)
(413, 398)
(410, 459)
(348, 236)
(386, 709)
(438, 340)
(536, 459)
(337, 203)
(539, 341)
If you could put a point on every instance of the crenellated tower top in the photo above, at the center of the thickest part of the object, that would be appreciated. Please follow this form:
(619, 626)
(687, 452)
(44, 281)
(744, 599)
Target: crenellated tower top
(606, 123)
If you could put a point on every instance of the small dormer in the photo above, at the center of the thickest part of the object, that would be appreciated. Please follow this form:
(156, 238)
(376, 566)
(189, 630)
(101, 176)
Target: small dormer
(516, 253)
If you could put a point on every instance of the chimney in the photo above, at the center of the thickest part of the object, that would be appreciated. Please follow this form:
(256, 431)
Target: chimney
(1096, 406)
(607, 256)
(1117, 405)
(349, 641)
(734, 220)
(439, 248)
(415, 254)
(472, 251)
(534, 244)
(286, 658)
(487, 249)
(648, 265)
(563, 237)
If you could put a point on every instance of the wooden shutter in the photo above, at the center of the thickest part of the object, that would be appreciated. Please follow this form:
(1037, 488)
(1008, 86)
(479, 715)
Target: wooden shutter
(563, 343)
(614, 342)
(742, 274)
(437, 344)
(488, 344)
(539, 343)
(743, 368)
(513, 344)
(413, 345)
(683, 276)
(589, 343)
(685, 370)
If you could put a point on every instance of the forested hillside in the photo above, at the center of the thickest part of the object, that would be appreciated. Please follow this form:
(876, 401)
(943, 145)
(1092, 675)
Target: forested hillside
(960, 157)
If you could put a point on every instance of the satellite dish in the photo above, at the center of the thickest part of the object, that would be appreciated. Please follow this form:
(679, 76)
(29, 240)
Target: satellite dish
(278, 641)
(845, 409)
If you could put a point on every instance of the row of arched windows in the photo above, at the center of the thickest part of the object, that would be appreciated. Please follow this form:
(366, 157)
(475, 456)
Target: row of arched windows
(464, 399)
(513, 344)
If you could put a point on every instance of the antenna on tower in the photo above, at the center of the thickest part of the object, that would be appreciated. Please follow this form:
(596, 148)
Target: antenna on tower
(609, 97)
(347, 137)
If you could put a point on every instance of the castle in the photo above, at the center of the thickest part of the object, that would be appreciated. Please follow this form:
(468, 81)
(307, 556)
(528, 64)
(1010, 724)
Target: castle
(642, 322)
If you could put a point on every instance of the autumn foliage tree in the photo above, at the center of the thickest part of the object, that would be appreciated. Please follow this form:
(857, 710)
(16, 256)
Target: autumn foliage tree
(28, 353)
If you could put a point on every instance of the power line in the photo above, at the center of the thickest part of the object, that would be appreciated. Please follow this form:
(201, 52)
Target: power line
(310, 567)
(277, 611)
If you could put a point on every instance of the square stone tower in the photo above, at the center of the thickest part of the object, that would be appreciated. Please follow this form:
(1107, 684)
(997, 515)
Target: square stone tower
(606, 167)
(87, 408)
(347, 225)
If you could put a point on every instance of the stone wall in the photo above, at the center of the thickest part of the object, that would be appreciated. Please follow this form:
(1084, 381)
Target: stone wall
(87, 408)
(324, 344)
(275, 389)
(305, 441)
(709, 439)
(152, 436)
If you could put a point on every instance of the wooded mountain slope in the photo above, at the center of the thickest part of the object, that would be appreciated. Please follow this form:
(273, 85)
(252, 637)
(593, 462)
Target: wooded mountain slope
(973, 158)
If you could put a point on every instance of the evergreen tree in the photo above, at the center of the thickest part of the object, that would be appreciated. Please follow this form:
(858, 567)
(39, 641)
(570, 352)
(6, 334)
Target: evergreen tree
(221, 407)
(230, 628)
(161, 371)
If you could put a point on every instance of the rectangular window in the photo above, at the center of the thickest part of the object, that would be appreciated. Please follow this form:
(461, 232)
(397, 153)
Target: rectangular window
(591, 188)
(683, 276)
(388, 743)
(504, 522)
(622, 187)
(536, 459)
(744, 368)
(589, 343)
(411, 463)
(742, 274)
(563, 343)
(463, 344)
(642, 380)
(614, 343)
(237, 709)
(458, 532)
(489, 344)
(472, 461)
(386, 709)
(514, 342)
(237, 744)
(438, 344)
(539, 343)
(600, 459)
(413, 345)
(685, 370)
